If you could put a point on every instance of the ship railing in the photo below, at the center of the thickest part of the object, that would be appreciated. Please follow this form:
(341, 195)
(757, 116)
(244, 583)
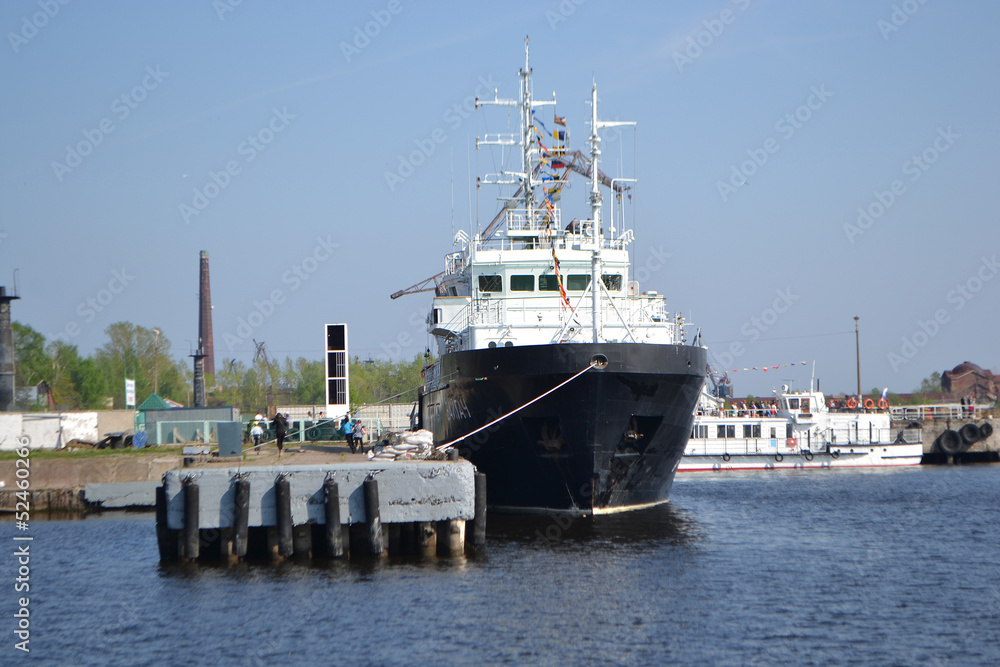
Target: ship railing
(937, 411)
(518, 220)
(485, 311)
(454, 262)
(460, 322)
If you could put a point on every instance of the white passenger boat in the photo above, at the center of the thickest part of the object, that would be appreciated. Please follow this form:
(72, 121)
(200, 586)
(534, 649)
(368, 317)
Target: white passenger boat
(797, 429)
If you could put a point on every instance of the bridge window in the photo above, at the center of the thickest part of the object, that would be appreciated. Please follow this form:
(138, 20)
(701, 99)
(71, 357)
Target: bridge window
(578, 282)
(613, 282)
(490, 283)
(548, 283)
(522, 283)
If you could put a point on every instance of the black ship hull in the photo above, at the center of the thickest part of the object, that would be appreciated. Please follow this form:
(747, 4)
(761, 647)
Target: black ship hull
(607, 441)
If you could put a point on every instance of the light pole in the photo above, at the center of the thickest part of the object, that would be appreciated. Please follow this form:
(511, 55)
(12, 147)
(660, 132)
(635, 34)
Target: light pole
(156, 354)
(857, 351)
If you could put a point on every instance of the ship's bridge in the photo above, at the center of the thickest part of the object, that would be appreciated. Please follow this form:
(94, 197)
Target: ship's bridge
(530, 283)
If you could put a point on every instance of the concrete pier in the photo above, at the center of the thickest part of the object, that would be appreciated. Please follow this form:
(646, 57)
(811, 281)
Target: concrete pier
(958, 440)
(286, 509)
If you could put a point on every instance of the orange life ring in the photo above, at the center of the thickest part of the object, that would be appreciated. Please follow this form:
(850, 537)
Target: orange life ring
(869, 404)
(883, 404)
(851, 403)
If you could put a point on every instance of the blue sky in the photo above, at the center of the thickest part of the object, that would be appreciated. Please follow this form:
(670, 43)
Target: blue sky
(135, 135)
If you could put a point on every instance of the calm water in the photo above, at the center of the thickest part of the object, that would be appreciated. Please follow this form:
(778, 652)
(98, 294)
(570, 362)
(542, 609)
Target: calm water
(798, 567)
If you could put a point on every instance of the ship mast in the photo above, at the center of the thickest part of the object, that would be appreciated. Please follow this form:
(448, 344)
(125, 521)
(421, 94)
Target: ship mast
(596, 233)
(527, 140)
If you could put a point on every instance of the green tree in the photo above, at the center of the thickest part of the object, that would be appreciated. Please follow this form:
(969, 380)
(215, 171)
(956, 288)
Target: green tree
(378, 381)
(137, 353)
(931, 385)
(31, 363)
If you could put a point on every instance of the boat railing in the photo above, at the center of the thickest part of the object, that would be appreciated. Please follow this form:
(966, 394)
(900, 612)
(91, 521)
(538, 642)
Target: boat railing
(716, 446)
(454, 262)
(526, 310)
(936, 411)
(911, 435)
(518, 220)
(486, 311)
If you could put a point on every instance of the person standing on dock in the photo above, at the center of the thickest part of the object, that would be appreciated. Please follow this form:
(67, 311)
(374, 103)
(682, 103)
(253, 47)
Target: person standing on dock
(348, 427)
(280, 429)
(359, 436)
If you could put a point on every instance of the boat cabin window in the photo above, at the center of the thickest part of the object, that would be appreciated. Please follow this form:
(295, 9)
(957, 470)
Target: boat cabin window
(613, 282)
(793, 404)
(548, 283)
(522, 283)
(578, 282)
(490, 283)
(804, 405)
(437, 315)
(726, 431)
(774, 433)
(751, 430)
(788, 431)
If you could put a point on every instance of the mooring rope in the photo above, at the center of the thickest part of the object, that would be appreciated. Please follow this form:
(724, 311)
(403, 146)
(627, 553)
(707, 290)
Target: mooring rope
(448, 445)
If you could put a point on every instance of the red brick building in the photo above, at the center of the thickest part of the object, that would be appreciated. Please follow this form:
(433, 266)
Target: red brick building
(968, 379)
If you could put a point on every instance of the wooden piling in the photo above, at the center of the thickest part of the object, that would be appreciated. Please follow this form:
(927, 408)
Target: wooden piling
(450, 537)
(334, 539)
(479, 522)
(426, 539)
(191, 543)
(372, 521)
(302, 540)
(283, 516)
(164, 540)
(241, 517)
(393, 532)
(408, 538)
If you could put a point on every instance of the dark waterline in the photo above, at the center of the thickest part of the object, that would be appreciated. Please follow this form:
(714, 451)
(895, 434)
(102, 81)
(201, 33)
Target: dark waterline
(784, 567)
